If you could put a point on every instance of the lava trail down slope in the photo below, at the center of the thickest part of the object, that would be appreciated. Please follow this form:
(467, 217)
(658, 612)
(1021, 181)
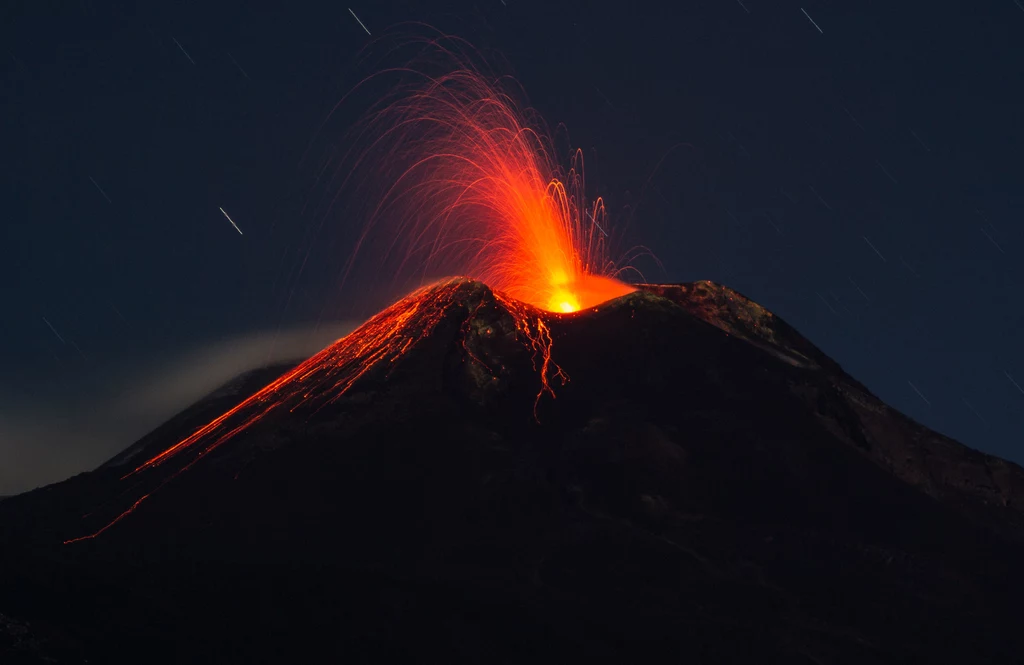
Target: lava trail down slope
(674, 475)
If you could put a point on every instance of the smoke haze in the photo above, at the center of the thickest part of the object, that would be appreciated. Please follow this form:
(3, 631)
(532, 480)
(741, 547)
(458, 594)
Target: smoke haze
(40, 444)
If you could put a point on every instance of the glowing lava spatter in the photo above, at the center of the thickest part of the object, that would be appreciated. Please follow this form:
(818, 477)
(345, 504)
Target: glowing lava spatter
(469, 186)
(329, 374)
(538, 335)
(325, 377)
(477, 192)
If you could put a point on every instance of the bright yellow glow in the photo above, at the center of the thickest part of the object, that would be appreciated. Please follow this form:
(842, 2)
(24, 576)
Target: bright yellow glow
(563, 300)
(486, 198)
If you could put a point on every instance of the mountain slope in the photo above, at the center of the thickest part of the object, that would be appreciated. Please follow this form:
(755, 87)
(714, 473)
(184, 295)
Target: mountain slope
(695, 481)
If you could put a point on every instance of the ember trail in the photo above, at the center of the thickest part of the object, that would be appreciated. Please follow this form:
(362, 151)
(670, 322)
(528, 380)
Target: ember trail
(477, 192)
(465, 182)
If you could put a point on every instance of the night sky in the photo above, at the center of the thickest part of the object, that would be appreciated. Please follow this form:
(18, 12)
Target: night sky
(854, 167)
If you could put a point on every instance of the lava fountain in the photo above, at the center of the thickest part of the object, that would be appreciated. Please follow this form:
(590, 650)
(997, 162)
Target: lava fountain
(472, 188)
(477, 192)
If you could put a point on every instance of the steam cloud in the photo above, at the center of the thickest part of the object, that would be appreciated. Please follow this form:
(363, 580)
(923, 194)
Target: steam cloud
(40, 444)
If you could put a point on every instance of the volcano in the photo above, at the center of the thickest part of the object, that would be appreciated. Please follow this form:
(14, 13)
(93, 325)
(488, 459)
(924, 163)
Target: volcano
(675, 475)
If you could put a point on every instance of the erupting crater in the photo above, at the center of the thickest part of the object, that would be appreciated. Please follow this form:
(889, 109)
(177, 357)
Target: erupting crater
(491, 331)
(460, 177)
(464, 181)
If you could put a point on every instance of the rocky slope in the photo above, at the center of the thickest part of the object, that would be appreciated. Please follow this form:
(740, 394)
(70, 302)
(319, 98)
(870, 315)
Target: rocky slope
(699, 484)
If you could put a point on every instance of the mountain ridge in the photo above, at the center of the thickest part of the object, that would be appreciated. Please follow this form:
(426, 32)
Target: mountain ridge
(673, 474)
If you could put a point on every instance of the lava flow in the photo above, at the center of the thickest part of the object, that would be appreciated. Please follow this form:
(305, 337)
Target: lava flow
(377, 345)
(479, 194)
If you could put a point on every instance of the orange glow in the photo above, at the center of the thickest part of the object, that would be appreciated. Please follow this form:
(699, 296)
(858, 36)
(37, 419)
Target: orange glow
(531, 325)
(330, 373)
(111, 523)
(374, 347)
(469, 186)
(475, 190)
(316, 382)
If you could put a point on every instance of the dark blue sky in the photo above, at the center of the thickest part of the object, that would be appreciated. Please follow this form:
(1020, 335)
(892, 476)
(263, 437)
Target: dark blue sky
(855, 167)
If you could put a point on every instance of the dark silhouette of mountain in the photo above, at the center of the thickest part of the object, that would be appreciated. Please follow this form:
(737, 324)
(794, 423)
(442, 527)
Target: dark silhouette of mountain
(703, 485)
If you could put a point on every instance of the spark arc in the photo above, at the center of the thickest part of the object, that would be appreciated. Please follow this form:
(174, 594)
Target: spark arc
(464, 183)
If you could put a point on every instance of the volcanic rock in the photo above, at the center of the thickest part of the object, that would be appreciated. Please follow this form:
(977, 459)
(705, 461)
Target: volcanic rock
(676, 475)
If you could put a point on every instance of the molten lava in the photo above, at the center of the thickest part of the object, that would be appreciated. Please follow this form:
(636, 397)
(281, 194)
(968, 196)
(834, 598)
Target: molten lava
(376, 346)
(476, 192)
(470, 187)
